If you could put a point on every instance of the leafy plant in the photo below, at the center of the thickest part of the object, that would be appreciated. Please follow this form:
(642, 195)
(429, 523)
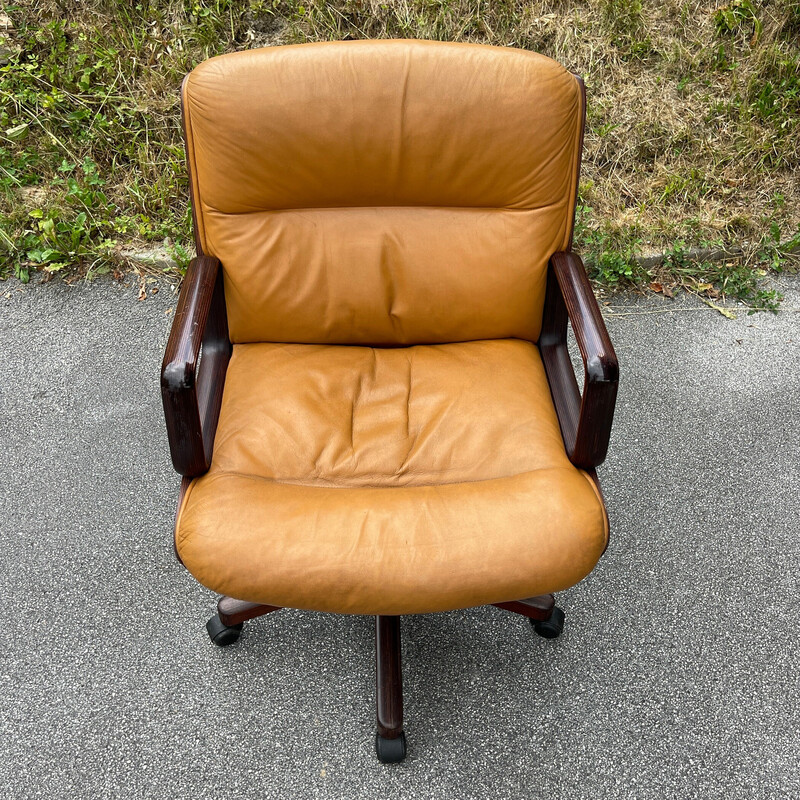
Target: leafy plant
(774, 92)
(728, 278)
(736, 15)
(776, 253)
(609, 254)
(693, 119)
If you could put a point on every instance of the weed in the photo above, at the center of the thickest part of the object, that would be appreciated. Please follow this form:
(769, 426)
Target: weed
(774, 90)
(608, 253)
(721, 60)
(180, 255)
(681, 189)
(693, 116)
(732, 278)
(777, 253)
(736, 16)
(58, 236)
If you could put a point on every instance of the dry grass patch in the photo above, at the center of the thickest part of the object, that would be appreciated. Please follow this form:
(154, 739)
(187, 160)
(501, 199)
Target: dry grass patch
(693, 126)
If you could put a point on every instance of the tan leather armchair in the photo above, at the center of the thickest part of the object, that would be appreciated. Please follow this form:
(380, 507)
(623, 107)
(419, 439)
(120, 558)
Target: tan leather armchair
(367, 386)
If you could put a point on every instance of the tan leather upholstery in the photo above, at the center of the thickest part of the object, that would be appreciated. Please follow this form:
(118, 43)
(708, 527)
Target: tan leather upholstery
(386, 194)
(358, 416)
(389, 481)
(383, 192)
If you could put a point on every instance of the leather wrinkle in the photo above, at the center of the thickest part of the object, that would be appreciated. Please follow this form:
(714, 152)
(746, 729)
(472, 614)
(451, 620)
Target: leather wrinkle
(381, 409)
(377, 486)
(409, 384)
(384, 265)
(401, 118)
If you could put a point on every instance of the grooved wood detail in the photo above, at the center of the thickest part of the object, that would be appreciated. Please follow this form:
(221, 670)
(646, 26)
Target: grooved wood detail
(585, 421)
(191, 385)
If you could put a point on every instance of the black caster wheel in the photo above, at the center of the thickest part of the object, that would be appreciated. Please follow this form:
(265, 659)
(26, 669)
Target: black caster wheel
(222, 635)
(390, 751)
(552, 627)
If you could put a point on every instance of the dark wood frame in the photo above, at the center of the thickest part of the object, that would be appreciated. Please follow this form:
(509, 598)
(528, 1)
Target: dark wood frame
(585, 421)
(234, 612)
(535, 608)
(193, 377)
(191, 386)
(388, 677)
(194, 366)
(388, 661)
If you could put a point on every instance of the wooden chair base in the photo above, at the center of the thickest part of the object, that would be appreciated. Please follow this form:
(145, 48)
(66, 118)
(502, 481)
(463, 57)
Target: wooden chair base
(536, 608)
(390, 739)
(234, 612)
(226, 626)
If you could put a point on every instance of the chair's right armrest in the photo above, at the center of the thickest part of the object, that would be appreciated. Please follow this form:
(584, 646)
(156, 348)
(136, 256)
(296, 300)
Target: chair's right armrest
(585, 420)
(194, 366)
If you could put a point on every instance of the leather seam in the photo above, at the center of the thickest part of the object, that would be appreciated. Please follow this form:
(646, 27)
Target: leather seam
(606, 523)
(421, 206)
(179, 540)
(263, 478)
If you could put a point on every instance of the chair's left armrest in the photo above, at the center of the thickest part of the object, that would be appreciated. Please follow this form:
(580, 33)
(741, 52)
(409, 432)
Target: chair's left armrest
(194, 366)
(585, 421)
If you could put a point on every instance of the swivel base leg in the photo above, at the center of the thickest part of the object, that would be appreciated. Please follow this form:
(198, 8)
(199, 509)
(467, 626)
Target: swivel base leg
(545, 616)
(390, 740)
(225, 627)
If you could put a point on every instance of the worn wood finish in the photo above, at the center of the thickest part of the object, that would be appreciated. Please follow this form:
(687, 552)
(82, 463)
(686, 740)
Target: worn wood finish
(233, 612)
(585, 421)
(388, 677)
(195, 229)
(582, 87)
(534, 607)
(192, 378)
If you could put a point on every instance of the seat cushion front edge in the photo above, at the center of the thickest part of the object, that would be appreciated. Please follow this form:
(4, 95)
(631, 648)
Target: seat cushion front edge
(391, 550)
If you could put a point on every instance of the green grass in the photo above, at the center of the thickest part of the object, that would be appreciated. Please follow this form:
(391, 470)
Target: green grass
(693, 125)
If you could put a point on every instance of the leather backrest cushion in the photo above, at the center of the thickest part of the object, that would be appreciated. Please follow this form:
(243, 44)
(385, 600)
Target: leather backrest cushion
(383, 192)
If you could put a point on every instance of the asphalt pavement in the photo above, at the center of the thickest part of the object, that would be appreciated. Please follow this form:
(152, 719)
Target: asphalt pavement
(678, 675)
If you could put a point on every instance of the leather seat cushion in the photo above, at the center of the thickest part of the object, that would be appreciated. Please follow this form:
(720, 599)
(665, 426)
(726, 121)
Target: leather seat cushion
(389, 481)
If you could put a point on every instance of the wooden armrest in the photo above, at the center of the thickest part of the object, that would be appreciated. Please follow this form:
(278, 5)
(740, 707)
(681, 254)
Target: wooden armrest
(585, 421)
(193, 370)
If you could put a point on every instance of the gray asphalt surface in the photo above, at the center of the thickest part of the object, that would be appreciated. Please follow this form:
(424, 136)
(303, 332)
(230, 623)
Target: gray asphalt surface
(678, 675)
